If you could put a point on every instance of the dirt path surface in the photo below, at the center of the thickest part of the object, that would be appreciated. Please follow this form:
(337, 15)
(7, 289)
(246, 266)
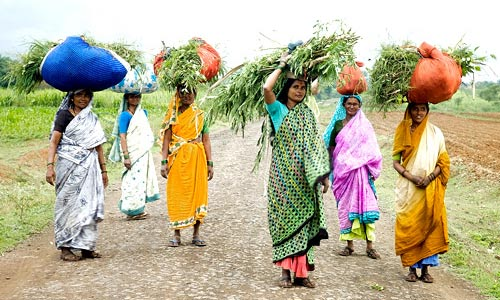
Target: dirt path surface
(236, 263)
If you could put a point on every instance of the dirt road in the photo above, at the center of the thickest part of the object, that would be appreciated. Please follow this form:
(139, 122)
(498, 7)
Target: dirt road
(236, 264)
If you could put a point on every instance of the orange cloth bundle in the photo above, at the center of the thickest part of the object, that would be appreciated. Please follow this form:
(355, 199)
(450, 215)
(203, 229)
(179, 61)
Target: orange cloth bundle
(436, 77)
(210, 59)
(351, 80)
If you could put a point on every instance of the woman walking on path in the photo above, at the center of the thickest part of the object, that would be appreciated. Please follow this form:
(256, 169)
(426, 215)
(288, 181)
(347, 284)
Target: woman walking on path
(186, 164)
(80, 175)
(134, 138)
(420, 157)
(356, 162)
(299, 166)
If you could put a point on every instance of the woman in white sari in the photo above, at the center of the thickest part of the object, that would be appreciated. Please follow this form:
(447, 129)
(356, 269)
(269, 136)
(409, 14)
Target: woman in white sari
(135, 141)
(79, 175)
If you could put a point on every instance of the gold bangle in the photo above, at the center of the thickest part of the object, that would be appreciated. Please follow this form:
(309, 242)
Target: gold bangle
(50, 163)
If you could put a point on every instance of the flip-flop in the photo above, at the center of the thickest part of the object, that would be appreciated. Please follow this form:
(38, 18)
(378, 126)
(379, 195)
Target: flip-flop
(304, 282)
(198, 242)
(175, 242)
(285, 282)
(346, 251)
(69, 256)
(140, 216)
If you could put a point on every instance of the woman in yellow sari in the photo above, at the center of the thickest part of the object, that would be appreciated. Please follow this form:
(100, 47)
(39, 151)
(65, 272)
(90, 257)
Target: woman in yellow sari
(420, 157)
(186, 163)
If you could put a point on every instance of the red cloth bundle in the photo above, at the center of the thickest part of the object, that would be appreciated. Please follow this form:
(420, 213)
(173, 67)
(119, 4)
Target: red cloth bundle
(436, 77)
(351, 80)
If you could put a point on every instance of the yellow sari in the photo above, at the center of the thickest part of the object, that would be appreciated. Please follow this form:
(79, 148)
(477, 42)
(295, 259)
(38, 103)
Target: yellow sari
(421, 223)
(187, 183)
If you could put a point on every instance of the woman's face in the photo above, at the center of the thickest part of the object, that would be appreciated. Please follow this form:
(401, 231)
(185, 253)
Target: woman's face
(297, 91)
(81, 99)
(352, 106)
(134, 100)
(418, 113)
(187, 97)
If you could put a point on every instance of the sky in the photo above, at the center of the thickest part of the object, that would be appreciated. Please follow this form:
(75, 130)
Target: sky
(242, 30)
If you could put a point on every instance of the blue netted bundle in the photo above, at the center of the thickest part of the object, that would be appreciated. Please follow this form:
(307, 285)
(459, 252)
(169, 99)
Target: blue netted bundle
(74, 64)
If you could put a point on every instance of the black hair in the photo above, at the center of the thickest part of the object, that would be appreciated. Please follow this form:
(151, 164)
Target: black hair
(413, 104)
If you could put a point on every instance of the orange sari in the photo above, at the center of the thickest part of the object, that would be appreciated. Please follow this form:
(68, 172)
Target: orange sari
(421, 223)
(187, 183)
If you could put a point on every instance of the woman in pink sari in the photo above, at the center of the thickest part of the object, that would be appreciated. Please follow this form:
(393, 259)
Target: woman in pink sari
(356, 162)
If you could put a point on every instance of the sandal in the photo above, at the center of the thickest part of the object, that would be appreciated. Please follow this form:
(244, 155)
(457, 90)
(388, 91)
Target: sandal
(427, 278)
(175, 242)
(67, 255)
(285, 282)
(91, 254)
(198, 242)
(372, 253)
(304, 282)
(412, 276)
(140, 216)
(346, 251)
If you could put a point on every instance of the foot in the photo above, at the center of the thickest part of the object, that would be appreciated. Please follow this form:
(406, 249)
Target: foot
(197, 241)
(427, 278)
(285, 282)
(346, 251)
(304, 282)
(175, 242)
(90, 254)
(67, 255)
(372, 253)
(412, 276)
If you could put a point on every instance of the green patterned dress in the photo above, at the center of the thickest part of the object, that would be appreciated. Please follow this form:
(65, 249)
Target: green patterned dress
(295, 200)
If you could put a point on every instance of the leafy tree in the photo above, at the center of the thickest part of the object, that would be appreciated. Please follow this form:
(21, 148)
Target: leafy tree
(490, 93)
(5, 63)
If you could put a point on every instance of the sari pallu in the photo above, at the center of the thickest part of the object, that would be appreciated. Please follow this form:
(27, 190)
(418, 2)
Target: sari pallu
(421, 228)
(139, 184)
(187, 183)
(295, 203)
(79, 188)
(357, 162)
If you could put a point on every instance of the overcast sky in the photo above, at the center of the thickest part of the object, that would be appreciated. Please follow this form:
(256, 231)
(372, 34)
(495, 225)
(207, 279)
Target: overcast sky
(240, 29)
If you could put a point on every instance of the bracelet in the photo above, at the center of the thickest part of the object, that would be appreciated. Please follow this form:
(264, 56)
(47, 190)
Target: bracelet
(164, 162)
(403, 173)
(102, 164)
(280, 67)
(126, 156)
(104, 171)
(210, 163)
(50, 163)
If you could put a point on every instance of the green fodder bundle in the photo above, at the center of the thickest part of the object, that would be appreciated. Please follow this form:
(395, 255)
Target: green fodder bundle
(238, 97)
(190, 65)
(391, 74)
(25, 76)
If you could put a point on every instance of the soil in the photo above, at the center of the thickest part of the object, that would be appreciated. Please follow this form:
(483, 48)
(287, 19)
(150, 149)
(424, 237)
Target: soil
(236, 263)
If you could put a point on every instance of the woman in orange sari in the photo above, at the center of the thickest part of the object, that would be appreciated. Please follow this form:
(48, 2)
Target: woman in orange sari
(420, 157)
(186, 164)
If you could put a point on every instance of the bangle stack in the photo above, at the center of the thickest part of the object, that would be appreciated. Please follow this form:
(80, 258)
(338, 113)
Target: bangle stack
(210, 163)
(164, 162)
(431, 176)
(126, 156)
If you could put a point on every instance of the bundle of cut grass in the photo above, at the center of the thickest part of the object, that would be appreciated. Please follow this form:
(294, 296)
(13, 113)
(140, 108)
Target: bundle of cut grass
(238, 96)
(395, 74)
(24, 75)
(190, 65)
